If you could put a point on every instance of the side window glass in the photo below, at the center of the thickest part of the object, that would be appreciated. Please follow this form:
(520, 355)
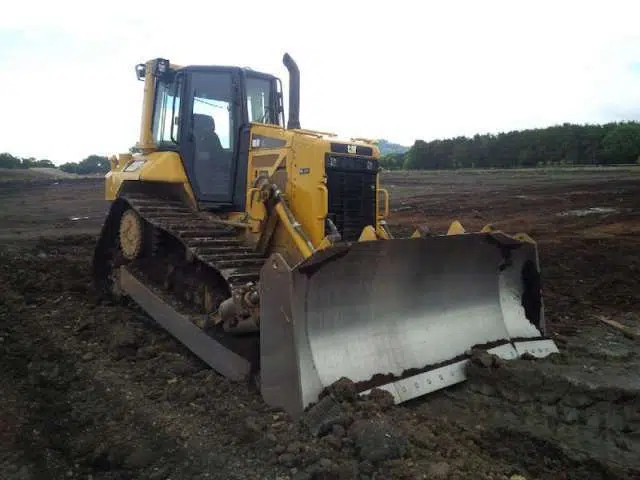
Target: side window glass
(159, 112)
(165, 123)
(259, 97)
(171, 109)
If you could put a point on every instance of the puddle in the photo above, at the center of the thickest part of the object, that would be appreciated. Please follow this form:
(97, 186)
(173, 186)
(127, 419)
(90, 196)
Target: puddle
(587, 211)
(75, 219)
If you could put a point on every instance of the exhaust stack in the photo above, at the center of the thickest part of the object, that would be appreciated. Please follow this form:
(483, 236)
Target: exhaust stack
(294, 91)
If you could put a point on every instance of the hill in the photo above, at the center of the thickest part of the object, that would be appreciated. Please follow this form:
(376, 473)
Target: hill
(387, 148)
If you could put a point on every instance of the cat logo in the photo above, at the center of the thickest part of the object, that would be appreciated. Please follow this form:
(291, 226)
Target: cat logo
(352, 148)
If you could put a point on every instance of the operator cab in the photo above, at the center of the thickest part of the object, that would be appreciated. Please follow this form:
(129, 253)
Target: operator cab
(204, 113)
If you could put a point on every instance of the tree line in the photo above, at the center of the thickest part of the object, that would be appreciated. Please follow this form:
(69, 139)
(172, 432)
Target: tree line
(89, 165)
(567, 144)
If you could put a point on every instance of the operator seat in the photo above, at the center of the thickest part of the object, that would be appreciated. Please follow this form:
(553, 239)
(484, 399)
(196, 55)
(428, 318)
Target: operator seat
(212, 162)
(204, 131)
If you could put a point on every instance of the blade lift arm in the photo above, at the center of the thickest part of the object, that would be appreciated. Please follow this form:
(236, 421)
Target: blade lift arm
(273, 199)
(294, 228)
(275, 202)
(240, 312)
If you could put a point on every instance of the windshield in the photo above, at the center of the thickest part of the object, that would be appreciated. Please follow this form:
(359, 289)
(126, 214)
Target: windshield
(260, 100)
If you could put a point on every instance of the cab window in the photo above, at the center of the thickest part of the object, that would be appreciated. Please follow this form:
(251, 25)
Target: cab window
(260, 104)
(167, 105)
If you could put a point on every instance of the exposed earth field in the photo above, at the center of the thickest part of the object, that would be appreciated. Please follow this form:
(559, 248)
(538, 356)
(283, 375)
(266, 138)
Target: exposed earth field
(94, 390)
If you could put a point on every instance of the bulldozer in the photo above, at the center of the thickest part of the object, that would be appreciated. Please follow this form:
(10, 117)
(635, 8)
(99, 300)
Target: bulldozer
(264, 248)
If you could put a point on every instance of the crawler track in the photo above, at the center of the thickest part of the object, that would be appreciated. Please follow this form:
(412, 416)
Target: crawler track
(189, 260)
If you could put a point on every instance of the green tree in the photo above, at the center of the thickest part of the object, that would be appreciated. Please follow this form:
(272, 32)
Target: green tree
(91, 164)
(392, 161)
(9, 161)
(44, 163)
(622, 144)
(566, 144)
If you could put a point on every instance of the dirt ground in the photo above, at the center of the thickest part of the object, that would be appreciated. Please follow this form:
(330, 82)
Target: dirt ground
(94, 390)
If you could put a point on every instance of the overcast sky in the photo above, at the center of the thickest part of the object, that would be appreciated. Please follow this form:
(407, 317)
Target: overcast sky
(401, 70)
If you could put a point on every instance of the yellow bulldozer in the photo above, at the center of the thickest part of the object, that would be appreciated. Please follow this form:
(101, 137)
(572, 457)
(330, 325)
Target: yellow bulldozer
(265, 249)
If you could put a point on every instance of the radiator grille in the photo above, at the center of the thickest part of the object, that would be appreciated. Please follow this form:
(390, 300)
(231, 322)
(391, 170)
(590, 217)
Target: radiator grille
(352, 195)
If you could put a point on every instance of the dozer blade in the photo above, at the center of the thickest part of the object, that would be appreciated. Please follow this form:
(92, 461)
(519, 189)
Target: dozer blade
(398, 314)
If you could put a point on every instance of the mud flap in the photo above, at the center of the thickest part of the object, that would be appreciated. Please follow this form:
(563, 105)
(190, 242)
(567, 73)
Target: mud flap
(398, 314)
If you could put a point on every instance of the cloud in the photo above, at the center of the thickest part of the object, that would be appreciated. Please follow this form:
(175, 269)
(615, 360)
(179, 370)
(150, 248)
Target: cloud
(400, 70)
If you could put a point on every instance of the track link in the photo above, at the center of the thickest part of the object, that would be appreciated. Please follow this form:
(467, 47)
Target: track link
(218, 246)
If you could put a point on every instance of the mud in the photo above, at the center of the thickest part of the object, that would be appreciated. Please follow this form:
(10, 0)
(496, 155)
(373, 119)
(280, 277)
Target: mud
(92, 389)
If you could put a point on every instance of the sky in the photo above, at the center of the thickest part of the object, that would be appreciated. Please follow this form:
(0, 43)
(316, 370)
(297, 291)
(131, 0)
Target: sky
(400, 70)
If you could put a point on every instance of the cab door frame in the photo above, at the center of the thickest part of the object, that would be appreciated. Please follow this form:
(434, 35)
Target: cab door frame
(232, 198)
